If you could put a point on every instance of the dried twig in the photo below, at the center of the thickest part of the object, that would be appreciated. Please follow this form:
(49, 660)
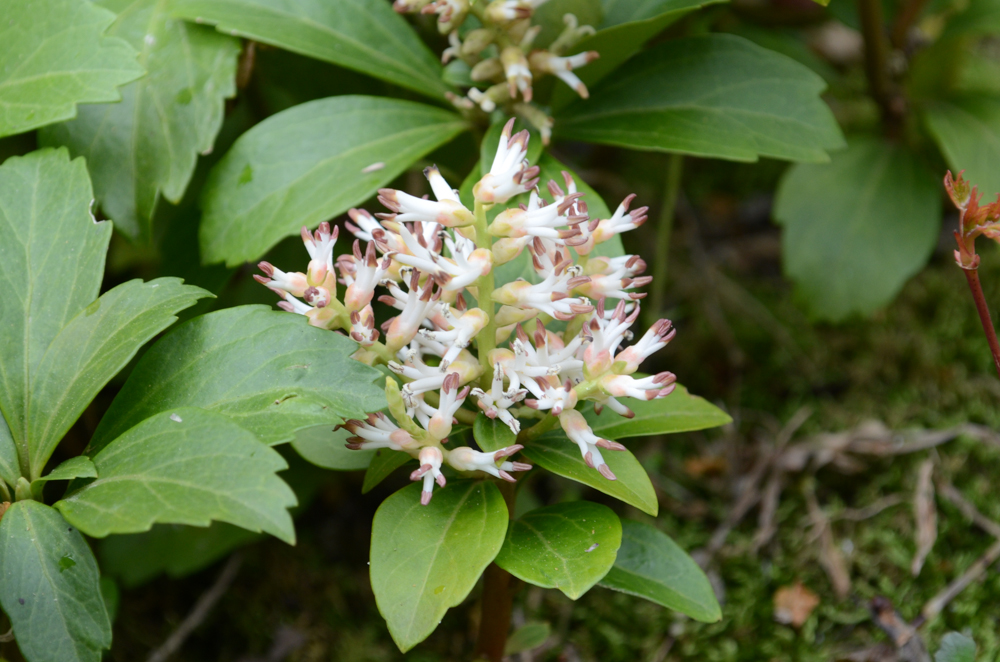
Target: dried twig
(200, 611)
(830, 556)
(766, 526)
(869, 511)
(925, 514)
(909, 645)
(936, 604)
(949, 492)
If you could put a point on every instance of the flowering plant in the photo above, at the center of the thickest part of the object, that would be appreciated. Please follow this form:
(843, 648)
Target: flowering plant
(460, 341)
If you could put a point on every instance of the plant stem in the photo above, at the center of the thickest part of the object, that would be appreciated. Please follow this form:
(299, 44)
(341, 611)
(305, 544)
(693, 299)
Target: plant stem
(907, 16)
(538, 429)
(877, 67)
(972, 275)
(672, 186)
(486, 340)
(494, 623)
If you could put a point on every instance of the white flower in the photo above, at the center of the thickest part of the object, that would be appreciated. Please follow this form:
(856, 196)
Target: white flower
(515, 67)
(645, 388)
(576, 428)
(447, 211)
(459, 333)
(361, 273)
(655, 339)
(451, 400)
(622, 220)
(416, 304)
(430, 459)
(467, 459)
(563, 67)
(496, 402)
(377, 432)
(510, 174)
(556, 399)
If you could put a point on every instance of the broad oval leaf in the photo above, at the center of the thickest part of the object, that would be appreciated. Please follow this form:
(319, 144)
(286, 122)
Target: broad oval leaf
(147, 145)
(43, 195)
(267, 370)
(651, 565)
(968, 132)
(555, 452)
(426, 559)
(382, 465)
(91, 349)
(364, 35)
(50, 587)
(627, 26)
(310, 163)
(492, 434)
(716, 96)
(678, 412)
(568, 546)
(326, 448)
(186, 466)
(55, 56)
(837, 219)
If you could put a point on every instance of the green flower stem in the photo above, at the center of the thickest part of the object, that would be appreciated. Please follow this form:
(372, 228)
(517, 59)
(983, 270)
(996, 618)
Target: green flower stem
(486, 341)
(538, 429)
(672, 187)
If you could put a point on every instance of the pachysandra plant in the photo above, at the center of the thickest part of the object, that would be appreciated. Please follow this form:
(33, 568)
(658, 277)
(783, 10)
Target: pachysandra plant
(530, 356)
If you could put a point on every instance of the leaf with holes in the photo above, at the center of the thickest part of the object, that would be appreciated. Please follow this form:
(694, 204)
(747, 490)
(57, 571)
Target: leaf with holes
(568, 546)
(55, 56)
(49, 587)
(310, 163)
(186, 466)
(426, 559)
(146, 146)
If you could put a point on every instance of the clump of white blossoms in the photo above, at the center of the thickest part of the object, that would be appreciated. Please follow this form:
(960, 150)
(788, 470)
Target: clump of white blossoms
(499, 55)
(504, 356)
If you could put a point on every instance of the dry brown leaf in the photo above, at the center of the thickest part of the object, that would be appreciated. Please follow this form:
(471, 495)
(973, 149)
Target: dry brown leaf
(926, 515)
(696, 467)
(793, 604)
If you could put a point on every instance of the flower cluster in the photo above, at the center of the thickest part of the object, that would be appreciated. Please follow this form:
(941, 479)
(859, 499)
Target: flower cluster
(497, 53)
(529, 350)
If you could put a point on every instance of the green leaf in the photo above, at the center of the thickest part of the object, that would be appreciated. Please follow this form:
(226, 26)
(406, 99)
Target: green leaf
(50, 587)
(10, 470)
(91, 349)
(527, 637)
(839, 218)
(568, 546)
(188, 466)
(269, 371)
(678, 412)
(54, 56)
(627, 26)
(981, 17)
(364, 35)
(147, 145)
(956, 647)
(382, 465)
(306, 164)
(492, 434)
(169, 548)
(555, 452)
(42, 196)
(325, 448)
(80, 466)
(715, 95)
(426, 559)
(968, 132)
(651, 565)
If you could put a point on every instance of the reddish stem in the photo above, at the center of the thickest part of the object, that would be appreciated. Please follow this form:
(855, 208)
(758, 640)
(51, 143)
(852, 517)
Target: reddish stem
(972, 275)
